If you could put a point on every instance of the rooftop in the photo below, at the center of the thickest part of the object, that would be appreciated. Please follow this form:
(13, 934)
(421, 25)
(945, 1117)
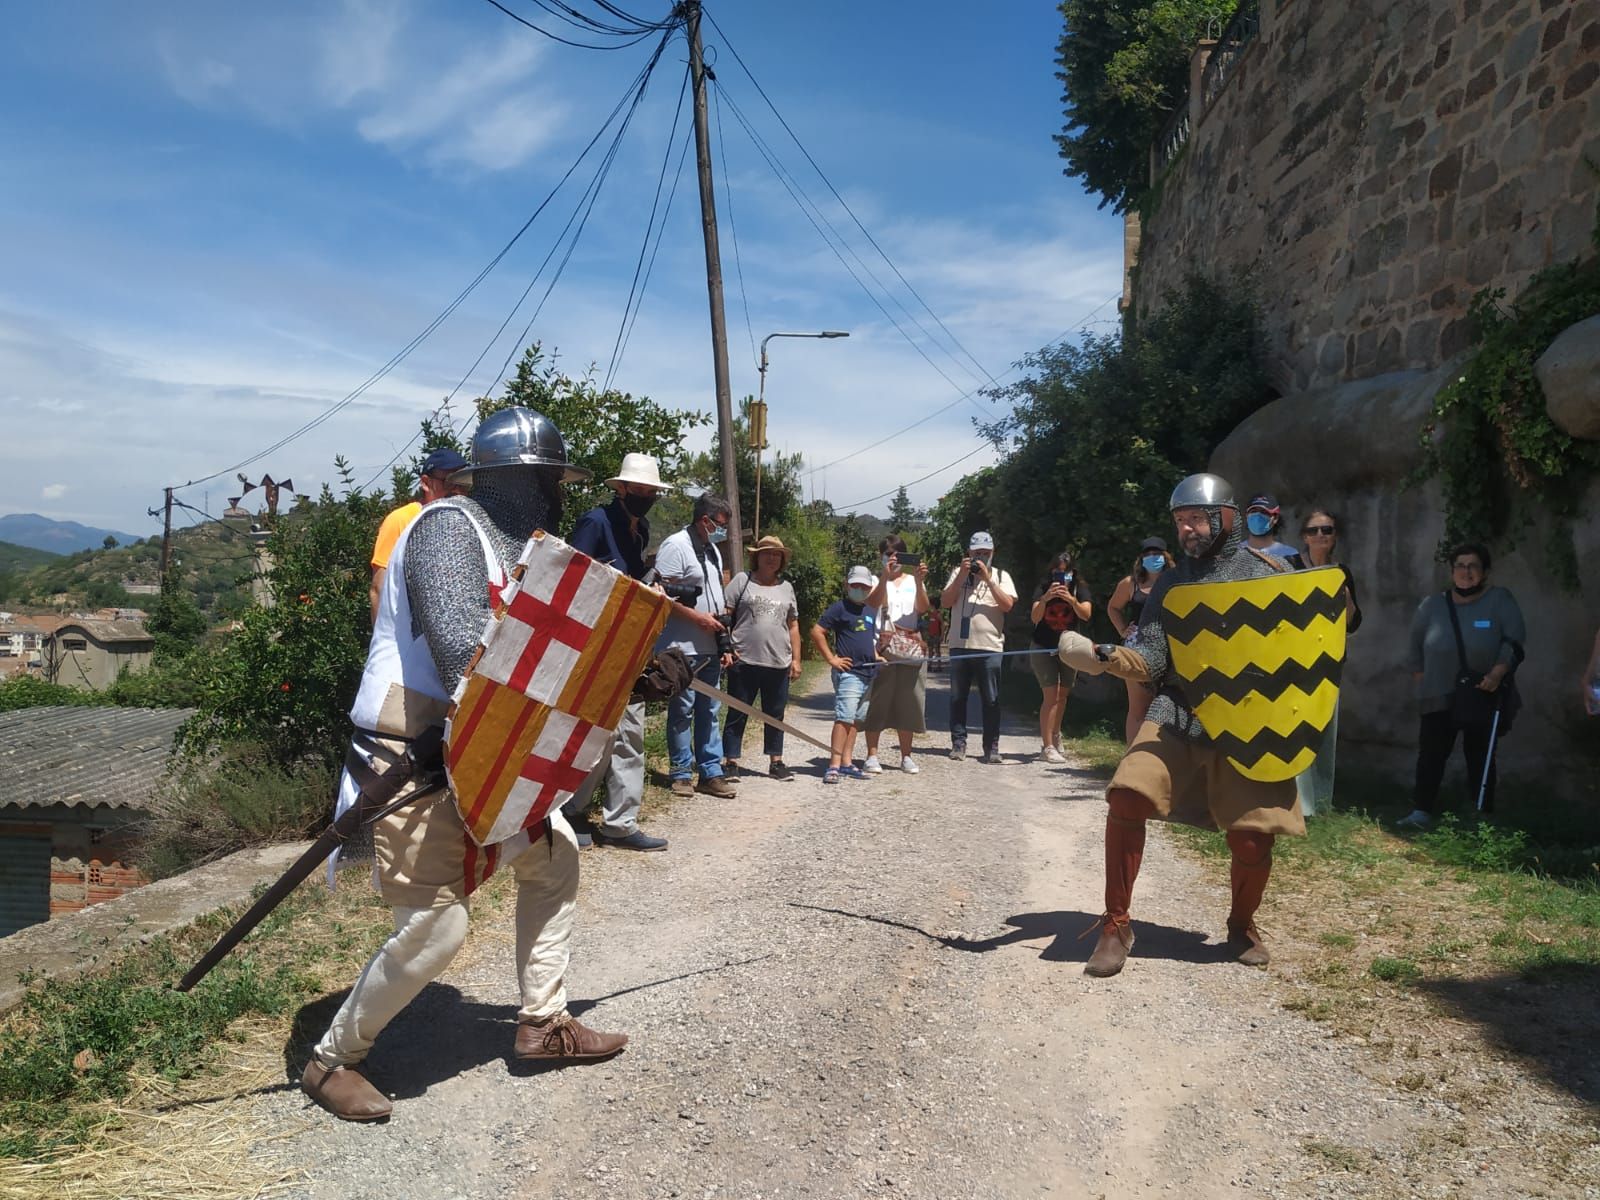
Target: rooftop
(108, 757)
(108, 631)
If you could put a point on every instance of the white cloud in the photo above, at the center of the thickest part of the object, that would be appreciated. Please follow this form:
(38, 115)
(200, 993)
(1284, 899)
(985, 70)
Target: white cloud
(52, 491)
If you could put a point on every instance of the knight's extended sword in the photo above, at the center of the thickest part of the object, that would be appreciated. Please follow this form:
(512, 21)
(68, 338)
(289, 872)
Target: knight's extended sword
(706, 689)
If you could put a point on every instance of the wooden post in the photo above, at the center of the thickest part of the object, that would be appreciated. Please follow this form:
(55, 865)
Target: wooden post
(719, 327)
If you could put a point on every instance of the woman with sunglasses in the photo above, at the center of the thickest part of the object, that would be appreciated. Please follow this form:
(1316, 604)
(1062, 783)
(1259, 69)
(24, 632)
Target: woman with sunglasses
(1320, 533)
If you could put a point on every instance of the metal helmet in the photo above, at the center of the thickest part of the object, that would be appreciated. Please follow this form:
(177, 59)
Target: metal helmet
(1202, 491)
(519, 437)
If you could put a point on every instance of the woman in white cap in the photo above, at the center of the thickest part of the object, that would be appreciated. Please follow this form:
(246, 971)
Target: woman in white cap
(766, 647)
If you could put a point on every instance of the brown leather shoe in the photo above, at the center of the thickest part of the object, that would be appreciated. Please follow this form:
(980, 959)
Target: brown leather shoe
(682, 787)
(1246, 941)
(717, 786)
(345, 1092)
(566, 1039)
(1111, 951)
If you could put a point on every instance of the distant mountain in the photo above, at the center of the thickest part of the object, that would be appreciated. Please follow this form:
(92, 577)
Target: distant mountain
(20, 558)
(57, 537)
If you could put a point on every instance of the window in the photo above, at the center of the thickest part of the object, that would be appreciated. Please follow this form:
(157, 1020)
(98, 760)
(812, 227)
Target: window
(74, 644)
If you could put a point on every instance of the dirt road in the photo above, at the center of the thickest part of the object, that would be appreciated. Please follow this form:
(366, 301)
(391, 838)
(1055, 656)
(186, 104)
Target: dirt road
(876, 989)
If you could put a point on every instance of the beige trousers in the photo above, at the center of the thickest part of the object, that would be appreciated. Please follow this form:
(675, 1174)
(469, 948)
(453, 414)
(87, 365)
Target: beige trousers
(426, 939)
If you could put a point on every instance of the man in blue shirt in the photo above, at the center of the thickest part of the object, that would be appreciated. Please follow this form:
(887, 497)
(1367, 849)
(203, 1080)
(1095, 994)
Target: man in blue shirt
(617, 535)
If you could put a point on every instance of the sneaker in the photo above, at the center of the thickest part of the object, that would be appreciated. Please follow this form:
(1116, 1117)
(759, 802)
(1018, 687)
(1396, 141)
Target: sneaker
(683, 787)
(1052, 755)
(1415, 819)
(718, 787)
(779, 771)
(957, 753)
(831, 775)
(852, 772)
(873, 766)
(584, 832)
(637, 840)
(991, 758)
(909, 765)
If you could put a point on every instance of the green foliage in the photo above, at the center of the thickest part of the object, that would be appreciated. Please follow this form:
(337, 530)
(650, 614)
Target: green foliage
(285, 680)
(1125, 67)
(1479, 847)
(960, 512)
(241, 799)
(1100, 431)
(814, 566)
(24, 691)
(1394, 970)
(903, 515)
(122, 1020)
(21, 558)
(854, 546)
(1500, 459)
(599, 426)
(176, 624)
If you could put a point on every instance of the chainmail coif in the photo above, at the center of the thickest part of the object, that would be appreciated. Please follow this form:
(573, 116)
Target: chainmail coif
(447, 580)
(1228, 561)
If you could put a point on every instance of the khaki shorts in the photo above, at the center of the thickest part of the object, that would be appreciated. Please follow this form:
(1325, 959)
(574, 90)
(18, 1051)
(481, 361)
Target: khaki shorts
(1193, 784)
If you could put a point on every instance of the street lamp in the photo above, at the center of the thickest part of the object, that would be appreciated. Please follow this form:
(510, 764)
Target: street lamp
(758, 414)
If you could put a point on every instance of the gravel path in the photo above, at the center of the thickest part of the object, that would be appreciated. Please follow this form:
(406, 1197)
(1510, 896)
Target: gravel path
(875, 989)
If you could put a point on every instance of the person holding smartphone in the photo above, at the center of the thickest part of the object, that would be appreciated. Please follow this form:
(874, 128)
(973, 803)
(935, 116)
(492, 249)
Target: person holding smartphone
(978, 595)
(1060, 602)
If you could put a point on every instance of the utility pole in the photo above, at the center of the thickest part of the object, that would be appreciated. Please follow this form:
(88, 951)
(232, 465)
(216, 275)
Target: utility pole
(166, 541)
(719, 326)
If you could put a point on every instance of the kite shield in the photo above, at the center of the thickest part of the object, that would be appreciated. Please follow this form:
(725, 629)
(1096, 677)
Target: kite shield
(1259, 662)
(541, 698)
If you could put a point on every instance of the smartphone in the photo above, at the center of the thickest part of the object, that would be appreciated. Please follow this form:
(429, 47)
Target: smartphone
(911, 561)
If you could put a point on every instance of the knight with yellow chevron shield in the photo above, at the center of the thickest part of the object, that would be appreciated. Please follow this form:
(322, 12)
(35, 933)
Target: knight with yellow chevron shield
(1245, 657)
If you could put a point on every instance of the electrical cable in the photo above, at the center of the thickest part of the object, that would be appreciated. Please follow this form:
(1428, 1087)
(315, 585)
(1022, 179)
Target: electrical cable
(556, 37)
(579, 20)
(650, 226)
(913, 482)
(733, 228)
(795, 195)
(984, 373)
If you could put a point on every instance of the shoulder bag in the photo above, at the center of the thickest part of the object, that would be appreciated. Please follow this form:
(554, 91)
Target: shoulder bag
(1470, 706)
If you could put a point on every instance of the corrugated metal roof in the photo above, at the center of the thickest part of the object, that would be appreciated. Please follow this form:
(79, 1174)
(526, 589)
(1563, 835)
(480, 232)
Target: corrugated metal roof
(112, 757)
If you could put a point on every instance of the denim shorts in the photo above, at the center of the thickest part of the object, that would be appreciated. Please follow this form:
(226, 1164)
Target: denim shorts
(849, 698)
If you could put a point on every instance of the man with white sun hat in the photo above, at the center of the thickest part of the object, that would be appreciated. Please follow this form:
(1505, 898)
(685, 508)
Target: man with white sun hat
(617, 534)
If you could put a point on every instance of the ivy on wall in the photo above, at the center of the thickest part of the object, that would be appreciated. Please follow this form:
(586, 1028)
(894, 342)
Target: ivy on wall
(1500, 459)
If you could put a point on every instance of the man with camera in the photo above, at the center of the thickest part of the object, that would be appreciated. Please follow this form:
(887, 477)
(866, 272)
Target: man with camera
(690, 569)
(617, 534)
(978, 595)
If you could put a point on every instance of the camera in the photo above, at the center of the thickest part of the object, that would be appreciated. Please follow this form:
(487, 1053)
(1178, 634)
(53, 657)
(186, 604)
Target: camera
(725, 634)
(684, 593)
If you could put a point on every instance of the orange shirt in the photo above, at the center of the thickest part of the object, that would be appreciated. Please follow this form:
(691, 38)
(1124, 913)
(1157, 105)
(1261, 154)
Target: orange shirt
(389, 533)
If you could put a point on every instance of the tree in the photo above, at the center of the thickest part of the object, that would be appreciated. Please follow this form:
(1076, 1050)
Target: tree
(110, 543)
(852, 545)
(598, 425)
(902, 515)
(175, 623)
(780, 473)
(1125, 67)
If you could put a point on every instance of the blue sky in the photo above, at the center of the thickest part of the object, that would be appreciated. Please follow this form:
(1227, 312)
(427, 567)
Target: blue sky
(218, 220)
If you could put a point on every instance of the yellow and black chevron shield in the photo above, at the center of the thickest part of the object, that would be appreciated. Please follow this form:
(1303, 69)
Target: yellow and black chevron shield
(1259, 663)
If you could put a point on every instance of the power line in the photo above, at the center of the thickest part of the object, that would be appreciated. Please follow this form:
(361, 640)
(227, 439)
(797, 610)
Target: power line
(650, 227)
(555, 37)
(913, 482)
(984, 373)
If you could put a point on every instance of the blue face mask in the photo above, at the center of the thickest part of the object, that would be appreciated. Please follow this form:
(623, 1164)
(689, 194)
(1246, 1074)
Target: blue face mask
(858, 595)
(1258, 523)
(1153, 563)
(719, 534)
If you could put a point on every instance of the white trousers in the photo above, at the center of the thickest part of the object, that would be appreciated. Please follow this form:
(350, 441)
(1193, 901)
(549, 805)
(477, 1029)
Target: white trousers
(426, 939)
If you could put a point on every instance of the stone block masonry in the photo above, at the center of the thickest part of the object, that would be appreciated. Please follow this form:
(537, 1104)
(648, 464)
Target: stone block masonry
(1375, 164)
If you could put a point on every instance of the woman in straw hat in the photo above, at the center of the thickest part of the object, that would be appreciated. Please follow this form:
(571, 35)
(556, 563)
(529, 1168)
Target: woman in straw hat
(766, 646)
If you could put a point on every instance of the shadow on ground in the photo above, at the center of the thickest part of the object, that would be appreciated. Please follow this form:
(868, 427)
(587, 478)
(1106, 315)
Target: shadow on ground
(1069, 934)
(1548, 1021)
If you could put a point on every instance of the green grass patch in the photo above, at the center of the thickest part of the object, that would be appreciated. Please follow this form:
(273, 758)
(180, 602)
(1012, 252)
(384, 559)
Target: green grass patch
(1394, 970)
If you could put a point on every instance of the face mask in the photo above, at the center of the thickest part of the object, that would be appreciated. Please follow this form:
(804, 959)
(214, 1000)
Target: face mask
(719, 534)
(638, 506)
(1153, 563)
(858, 595)
(1469, 591)
(1258, 523)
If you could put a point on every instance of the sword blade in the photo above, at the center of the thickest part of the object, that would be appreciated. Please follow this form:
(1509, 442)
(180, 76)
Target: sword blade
(705, 689)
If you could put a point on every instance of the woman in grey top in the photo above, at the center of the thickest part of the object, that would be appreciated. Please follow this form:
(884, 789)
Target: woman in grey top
(1492, 634)
(766, 646)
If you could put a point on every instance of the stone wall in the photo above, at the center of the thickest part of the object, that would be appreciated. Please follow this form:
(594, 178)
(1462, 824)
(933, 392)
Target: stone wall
(1375, 164)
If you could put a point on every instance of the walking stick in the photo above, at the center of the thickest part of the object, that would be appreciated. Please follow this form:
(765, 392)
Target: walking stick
(1488, 758)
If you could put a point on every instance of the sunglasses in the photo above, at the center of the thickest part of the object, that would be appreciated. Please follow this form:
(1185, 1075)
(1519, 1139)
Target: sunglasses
(1324, 530)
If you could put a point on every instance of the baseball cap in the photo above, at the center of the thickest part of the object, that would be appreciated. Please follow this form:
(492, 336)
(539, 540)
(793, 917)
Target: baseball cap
(442, 461)
(981, 541)
(1264, 502)
(1153, 543)
(859, 575)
